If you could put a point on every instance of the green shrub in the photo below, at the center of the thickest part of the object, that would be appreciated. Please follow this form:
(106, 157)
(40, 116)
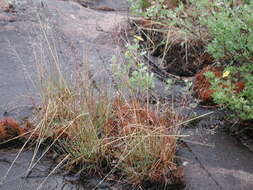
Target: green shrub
(235, 92)
(231, 30)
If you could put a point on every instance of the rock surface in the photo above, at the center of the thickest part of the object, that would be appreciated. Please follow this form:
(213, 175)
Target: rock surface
(215, 160)
(20, 178)
(4, 5)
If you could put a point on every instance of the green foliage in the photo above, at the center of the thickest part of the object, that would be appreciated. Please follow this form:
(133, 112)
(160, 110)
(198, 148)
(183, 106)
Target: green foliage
(231, 30)
(138, 6)
(151, 9)
(226, 91)
(169, 84)
(140, 78)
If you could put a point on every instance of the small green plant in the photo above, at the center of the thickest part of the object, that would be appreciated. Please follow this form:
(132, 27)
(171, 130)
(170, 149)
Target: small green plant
(169, 84)
(138, 6)
(166, 17)
(134, 71)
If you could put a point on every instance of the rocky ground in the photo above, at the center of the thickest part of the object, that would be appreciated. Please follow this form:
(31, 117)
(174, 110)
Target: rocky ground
(90, 30)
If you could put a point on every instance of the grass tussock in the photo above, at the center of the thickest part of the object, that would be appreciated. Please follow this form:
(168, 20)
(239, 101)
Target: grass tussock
(142, 141)
(132, 139)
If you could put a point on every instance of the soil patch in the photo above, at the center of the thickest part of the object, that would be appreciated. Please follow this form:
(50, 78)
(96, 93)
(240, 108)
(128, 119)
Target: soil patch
(179, 54)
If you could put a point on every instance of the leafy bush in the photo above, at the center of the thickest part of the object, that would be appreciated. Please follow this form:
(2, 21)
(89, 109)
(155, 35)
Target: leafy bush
(230, 43)
(235, 90)
(231, 29)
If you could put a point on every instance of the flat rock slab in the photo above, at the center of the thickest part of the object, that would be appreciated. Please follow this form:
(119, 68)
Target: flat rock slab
(216, 160)
(19, 178)
(93, 34)
(81, 34)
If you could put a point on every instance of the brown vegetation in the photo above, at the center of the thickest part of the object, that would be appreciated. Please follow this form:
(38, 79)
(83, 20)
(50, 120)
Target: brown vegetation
(202, 85)
(9, 128)
(133, 138)
(145, 139)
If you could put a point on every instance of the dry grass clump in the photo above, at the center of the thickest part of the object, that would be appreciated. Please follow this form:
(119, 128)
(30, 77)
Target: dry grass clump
(142, 141)
(71, 115)
(136, 142)
(130, 137)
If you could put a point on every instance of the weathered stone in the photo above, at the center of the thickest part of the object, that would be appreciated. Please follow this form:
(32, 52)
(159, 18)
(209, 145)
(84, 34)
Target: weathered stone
(4, 5)
(216, 160)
